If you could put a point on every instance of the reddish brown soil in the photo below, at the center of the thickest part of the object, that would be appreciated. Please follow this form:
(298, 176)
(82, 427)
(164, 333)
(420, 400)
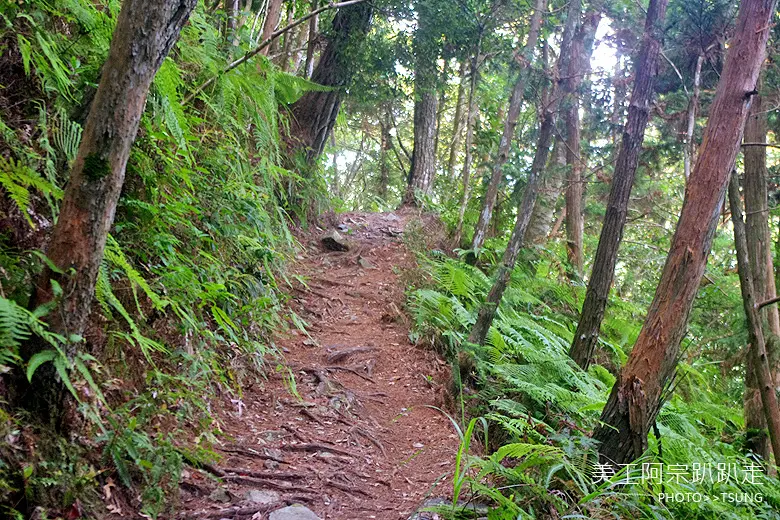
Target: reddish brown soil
(374, 449)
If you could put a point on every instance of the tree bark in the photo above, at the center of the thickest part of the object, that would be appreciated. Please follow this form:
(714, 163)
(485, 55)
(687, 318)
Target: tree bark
(145, 33)
(636, 396)
(759, 253)
(757, 351)
(510, 124)
(273, 15)
(578, 67)
(693, 106)
(471, 121)
(420, 179)
(550, 188)
(314, 115)
(586, 337)
(457, 122)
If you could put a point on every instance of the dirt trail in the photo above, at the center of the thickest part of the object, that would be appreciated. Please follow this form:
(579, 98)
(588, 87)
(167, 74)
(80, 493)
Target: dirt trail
(361, 442)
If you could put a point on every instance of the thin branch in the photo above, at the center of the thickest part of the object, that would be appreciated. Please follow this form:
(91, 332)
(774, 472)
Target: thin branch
(254, 52)
(767, 145)
(766, 303)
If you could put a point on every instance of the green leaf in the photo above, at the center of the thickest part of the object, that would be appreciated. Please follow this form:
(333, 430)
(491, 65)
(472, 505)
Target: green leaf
(39, 359)
(60, 363)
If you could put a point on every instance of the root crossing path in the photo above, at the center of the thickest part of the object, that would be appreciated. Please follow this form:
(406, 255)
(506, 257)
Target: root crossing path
(360, 440)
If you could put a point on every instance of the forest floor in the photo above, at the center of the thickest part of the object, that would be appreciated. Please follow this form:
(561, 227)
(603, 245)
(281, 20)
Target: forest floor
(361, 441)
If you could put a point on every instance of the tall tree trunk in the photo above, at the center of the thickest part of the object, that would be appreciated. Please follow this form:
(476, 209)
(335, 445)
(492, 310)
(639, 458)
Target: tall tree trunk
(273, 15)
(550, 187)
(761, 265)
(757, 353)
(510, 124)
(636, 396)
(578, 67)
(423, 166)
(385, 145)
(314, 115)
(488, 309)
(313, 28)
(426, 102)
(693, 106)
(145, 32)
(457, 121)
(471, 121)
(586, 337)
(445, 74)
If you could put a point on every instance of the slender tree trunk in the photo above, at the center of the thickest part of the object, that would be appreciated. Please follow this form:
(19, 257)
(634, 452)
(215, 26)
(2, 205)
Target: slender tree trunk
(636, 396)
(232, 10)
(457, 122)
(578, 67)
(385, 145)
(289, 38)
(510, 124)
(273, 15)
(487, 311)
(758, 353)
(420, 179)
(586, 337)
(144, 34)
(471, 121)
(550, 188)
(313, 28)
(693, 106)
(761, 266)
(314, 115)
(445, 74)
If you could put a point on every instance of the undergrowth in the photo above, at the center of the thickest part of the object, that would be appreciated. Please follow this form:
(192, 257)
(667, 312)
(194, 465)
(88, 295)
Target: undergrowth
(191, 284)
(535, 409)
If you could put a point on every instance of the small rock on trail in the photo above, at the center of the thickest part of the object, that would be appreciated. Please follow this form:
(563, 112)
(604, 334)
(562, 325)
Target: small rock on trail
(294, 512)
(335, 242)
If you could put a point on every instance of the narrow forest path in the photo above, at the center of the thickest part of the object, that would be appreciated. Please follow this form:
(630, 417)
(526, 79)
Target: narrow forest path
(360, 442)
